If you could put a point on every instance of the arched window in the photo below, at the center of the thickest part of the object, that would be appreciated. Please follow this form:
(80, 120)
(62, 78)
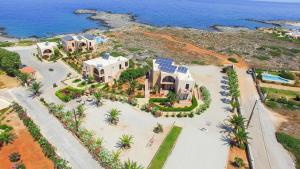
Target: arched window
(169, 79)
(47, 51)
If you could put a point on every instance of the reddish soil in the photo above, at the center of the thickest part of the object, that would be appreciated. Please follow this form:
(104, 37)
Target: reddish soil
(236, 152)
(175, 43)
(31, 153)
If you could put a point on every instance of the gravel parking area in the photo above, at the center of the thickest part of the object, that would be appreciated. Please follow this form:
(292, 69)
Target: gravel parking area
(132, 122)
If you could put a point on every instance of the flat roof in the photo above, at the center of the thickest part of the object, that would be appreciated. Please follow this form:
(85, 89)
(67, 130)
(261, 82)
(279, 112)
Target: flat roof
(105, 61)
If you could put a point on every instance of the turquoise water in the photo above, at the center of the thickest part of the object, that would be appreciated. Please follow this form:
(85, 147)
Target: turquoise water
(24, 18)
(274, 78)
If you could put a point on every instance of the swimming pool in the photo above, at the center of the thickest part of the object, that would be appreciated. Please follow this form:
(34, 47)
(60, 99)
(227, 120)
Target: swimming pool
(100, 40)
(274, 78)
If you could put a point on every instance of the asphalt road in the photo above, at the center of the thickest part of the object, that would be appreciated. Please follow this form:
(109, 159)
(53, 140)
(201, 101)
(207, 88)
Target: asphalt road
(266, 151)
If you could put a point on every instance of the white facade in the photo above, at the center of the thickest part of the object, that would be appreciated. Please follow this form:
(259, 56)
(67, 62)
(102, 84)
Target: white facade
(169, 76)
(106, 68)
(46, 49)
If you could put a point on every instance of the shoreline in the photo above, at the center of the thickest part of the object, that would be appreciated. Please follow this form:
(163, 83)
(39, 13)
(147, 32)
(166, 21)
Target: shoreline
(117, 21)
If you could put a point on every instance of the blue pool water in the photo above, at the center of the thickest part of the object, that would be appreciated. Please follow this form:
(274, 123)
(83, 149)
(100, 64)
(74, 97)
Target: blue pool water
(274, 78)
(100, 40)
(24, 18)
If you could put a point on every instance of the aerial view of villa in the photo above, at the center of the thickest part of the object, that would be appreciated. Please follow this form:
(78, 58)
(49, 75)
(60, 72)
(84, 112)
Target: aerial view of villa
(138, 84)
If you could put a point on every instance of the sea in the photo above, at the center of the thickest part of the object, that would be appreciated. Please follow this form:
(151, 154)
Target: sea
(44, 18)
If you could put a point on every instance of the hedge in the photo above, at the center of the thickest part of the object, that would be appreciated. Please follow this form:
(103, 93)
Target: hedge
(130, 74)
(48, 149)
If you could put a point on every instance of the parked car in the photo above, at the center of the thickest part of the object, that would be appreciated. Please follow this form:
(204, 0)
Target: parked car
(249, 71)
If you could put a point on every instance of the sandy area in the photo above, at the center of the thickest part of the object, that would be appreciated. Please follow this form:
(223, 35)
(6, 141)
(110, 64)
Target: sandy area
(30, 151)
(8, 82)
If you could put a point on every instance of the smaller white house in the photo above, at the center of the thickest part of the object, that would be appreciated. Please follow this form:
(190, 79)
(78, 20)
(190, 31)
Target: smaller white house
(106, 68)
(294, 34)
(46, 49)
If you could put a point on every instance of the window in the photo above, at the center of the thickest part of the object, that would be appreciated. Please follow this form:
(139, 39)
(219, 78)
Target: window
(120, 66)
(73, 44)
(126, 64)
(90, 44)
(187, 86)
(102, 71)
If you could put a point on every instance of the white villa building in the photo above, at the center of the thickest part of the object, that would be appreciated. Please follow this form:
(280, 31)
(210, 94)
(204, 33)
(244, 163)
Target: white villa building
(294, 34)
(106, 68)
(46, 49)
(85, 42)
(169, 76)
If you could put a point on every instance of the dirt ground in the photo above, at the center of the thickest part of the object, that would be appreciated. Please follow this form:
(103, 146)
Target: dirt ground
(236, 152)
(8, 82)
(30, 151)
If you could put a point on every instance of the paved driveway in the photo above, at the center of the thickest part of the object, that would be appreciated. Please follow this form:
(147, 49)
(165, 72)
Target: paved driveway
(197, 148)
(267, 152)
(68, 147)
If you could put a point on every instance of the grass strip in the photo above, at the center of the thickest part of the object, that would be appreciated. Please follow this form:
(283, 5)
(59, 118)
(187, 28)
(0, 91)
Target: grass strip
(165, 149)
(291, 144)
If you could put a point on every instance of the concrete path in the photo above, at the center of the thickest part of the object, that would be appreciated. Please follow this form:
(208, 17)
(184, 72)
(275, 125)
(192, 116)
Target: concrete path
(68, 147)
(201, 143)
(266, 151)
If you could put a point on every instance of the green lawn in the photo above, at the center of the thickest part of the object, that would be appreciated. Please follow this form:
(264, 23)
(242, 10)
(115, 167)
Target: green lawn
(165, 149)
(287, 93)
(291, 144)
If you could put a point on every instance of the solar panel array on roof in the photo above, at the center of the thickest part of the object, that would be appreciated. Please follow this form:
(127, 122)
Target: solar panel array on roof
(67, 38)
(182, 69)
(106, 56)
(168, 68)
(164, 61)
(88, 36)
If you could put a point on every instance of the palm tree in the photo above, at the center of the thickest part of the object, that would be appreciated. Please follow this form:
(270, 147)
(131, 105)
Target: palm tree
(113, 116)
(234, 105)
(131, 165)
(6, 137)
(97, 97)
(125, 141)
(116, 156)
(240, 137)
(237, 121)
(36, 88)
(80, 110)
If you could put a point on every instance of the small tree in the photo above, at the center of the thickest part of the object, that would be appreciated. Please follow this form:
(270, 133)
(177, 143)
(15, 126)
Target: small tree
(113, 116)
(172, 97)
(97, 97)
(131, 165)
(36, 88)
(132, 86)
(126, 141)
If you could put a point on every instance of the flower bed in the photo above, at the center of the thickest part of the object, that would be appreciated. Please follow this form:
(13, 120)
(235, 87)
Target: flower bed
(68, 93)
(34, 130)
(195, 108)
(173, 109)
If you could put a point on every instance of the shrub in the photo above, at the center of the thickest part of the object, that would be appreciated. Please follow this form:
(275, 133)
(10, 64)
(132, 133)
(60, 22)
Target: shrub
(165, 100)
(130, 74)
(233, 60)
(68, 93)
(238, 162)
(9, 62)
(158, 128)
(287, 75)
